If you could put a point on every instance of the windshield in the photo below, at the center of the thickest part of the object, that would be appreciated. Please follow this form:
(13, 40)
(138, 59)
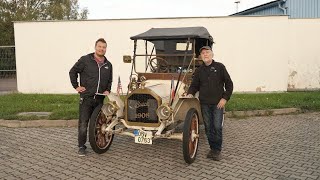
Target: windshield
(163, 56)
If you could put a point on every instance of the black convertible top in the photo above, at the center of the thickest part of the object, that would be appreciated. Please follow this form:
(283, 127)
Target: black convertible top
(174, 33)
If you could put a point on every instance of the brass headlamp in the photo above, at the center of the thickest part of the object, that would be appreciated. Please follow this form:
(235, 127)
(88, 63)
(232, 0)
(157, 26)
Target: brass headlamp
(164, 111)
(110, 108)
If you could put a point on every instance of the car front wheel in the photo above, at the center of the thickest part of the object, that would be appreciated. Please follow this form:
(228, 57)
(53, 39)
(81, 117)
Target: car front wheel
(100, 140)
(190, 138)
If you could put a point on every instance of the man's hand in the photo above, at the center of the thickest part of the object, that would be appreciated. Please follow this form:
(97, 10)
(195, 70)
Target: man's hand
(221, 103)
(106, 92)
(189, 96)
(80, 89)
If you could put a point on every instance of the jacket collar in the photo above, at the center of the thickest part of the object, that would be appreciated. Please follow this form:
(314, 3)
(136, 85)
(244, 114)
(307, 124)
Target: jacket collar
(212, 63)
(91, 55)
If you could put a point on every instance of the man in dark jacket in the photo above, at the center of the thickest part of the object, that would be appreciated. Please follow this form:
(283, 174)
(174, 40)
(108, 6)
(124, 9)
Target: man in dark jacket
(95, 77)
(215, 87)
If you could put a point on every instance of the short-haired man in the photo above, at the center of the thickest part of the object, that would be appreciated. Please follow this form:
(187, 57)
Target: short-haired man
(215, 87)
(95, 77)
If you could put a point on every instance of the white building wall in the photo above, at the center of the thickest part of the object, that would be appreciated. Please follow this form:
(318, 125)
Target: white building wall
(254, 49)
(304, 54)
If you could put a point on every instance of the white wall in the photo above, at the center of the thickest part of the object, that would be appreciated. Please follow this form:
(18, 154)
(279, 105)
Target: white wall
(304, 54)
(254, 49)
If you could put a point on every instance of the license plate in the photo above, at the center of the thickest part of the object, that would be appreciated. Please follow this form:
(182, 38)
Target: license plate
(142, 137)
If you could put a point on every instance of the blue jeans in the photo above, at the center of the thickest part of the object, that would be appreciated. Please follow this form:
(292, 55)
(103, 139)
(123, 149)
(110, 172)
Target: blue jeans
(213, 122)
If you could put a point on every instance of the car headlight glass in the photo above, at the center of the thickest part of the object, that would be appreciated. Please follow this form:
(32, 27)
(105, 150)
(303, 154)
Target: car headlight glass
(164, 111)
(111, 108)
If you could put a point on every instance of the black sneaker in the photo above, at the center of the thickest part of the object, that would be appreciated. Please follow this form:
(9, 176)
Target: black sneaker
(82, 151)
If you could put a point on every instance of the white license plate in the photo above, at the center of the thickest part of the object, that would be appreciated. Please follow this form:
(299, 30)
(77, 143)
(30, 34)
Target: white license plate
(142, 137)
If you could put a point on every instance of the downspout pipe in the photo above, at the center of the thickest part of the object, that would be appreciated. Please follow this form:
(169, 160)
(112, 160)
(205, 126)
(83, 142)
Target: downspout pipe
(284, 9)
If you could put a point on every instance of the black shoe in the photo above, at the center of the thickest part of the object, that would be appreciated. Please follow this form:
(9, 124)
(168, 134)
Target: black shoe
(210, 154)
(217, 155)
(82, 151)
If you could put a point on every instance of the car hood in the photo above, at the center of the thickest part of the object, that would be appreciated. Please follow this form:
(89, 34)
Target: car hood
(163, 88)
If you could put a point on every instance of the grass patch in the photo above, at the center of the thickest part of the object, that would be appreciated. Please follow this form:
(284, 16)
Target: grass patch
(61, 106)
(67, 107)
(306, 101)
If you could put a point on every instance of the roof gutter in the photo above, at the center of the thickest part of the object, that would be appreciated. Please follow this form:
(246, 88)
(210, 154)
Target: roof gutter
(284, 9)
(261, 7)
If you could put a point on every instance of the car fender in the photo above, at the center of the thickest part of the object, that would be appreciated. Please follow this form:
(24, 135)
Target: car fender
(182, 107)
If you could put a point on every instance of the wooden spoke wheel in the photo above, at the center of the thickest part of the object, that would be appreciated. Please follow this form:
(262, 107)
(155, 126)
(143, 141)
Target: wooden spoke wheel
(190, 138)
(100, 140)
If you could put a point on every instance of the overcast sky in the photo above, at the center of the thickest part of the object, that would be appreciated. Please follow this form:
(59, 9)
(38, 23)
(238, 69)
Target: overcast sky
(116, 9)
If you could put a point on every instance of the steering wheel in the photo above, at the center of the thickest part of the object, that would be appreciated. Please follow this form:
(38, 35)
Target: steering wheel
(158, 64)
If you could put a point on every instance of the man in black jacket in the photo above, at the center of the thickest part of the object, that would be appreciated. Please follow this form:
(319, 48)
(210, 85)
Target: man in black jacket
(95, 77)
(215, 87)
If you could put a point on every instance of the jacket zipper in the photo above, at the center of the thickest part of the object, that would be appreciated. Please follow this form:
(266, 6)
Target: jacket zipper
(99, 79)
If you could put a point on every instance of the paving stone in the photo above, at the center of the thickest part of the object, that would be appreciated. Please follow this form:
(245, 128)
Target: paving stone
(310, 176)
(273, 147)
(10, 177)
(297, 177)
(231, 178)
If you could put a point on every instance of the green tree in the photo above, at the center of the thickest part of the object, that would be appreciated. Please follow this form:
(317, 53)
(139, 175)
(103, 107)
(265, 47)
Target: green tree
(33, 10)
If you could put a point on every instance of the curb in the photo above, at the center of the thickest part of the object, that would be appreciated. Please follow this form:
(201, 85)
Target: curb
(38, 123)
(268, 112)
(74, 123)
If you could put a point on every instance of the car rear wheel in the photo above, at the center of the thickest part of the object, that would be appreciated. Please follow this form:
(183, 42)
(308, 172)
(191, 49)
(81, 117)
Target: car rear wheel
(100, 140)
(190, 138)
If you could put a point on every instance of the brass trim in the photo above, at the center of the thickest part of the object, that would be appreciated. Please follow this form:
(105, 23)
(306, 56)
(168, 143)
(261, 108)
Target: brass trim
(142, 91)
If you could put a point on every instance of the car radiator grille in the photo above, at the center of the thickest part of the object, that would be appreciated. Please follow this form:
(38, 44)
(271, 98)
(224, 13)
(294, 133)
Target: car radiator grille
(142, 108)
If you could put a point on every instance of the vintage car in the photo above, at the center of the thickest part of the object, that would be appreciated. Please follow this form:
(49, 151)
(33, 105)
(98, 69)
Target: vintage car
(163, 62)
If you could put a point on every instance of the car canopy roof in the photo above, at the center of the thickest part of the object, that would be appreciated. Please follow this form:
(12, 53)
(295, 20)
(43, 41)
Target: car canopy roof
(174, 33)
